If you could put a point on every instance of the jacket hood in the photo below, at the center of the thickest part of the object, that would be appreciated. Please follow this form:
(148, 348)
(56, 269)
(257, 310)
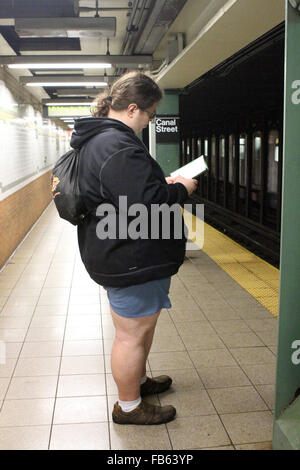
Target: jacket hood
(85, 128)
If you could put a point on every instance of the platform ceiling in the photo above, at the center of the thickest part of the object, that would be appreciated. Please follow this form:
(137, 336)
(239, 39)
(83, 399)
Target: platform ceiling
(213, 30)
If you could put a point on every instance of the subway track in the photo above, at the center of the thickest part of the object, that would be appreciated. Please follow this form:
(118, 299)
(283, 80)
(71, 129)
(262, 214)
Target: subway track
(259, 240)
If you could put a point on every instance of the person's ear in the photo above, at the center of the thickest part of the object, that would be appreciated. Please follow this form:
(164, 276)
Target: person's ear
(131, 109)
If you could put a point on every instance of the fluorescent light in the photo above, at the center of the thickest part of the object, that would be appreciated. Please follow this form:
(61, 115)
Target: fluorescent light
(75, 65)
(71, 60)
(57, 103)
(64, 84)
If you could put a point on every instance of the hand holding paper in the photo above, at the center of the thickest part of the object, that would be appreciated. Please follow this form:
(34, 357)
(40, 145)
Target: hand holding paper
(190, 183)
(191, 169)
(169, 180)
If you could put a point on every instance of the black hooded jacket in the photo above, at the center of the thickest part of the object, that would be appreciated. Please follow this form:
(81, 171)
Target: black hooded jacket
(113, 163)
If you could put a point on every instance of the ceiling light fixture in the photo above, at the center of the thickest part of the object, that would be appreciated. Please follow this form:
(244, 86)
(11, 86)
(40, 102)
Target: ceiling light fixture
(74, 65)
(83, 61)
(64, 81)
(64, 84)
(57, 103)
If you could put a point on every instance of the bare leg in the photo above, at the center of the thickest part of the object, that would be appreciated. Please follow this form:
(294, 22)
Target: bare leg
(128, 354)
(148, 344)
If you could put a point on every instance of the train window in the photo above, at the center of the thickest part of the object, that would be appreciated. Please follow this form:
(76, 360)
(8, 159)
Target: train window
(231, 158)
(192, 148)
(183, 150)
(196, 152)
(256, 159)
(188, 150)
(206, 147)
(222, 157)
(213, 156)
(243, 160)
(276, 158)
(273, 158)
(195, 147)
(199, 147)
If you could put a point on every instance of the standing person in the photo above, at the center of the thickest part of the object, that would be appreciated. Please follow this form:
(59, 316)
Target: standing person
(136, 272)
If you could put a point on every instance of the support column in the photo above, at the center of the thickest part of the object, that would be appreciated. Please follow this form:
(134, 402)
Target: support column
(287, 407)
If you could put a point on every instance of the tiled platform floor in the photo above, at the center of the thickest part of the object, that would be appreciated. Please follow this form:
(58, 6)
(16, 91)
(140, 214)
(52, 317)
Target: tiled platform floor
(56, 387)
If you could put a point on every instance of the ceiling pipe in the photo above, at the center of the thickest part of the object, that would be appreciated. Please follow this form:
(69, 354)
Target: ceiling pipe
(131, 41)
(159, 19)
(130, 29)
(130, 25)
(161, 67)
(92, 9)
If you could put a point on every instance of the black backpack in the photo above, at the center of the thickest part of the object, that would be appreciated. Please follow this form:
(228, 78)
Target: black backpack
(65, 188)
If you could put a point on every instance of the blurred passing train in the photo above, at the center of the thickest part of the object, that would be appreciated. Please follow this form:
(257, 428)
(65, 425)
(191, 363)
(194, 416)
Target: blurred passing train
(234, 116)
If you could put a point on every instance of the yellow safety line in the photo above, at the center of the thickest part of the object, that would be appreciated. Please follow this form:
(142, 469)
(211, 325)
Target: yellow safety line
(7, 115)
(255, 275)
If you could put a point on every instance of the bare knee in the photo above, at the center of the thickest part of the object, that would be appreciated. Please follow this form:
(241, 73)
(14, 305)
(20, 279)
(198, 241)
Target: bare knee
(137, 337)
(134, 330)
(128, 340)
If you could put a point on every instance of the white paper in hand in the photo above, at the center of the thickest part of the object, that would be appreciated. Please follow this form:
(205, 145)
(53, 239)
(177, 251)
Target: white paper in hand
(191, 169)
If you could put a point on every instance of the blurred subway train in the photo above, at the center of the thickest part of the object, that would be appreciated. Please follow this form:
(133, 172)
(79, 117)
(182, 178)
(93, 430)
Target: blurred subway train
(233, 115)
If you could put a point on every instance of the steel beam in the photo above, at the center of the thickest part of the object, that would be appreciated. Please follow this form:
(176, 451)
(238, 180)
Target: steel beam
(80, 79)
(78, 91)
(49, 44)
(38, 8)
(66, 27)
(61, 101)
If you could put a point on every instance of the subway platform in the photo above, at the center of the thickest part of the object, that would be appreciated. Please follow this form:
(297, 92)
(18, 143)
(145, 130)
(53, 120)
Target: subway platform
(218, 343)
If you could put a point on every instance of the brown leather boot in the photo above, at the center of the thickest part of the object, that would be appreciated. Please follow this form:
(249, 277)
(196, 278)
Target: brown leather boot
(156, 385)
(145, 413)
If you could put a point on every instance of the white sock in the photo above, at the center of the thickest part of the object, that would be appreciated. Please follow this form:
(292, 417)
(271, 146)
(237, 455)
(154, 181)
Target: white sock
(129, 405)
(143, 379)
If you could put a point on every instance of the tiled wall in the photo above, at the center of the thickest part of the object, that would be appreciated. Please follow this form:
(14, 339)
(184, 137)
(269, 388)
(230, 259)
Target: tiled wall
(19, 211)
(29, 147)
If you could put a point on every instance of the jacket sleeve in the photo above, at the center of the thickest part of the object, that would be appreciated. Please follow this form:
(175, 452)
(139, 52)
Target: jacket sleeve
(129, 173)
